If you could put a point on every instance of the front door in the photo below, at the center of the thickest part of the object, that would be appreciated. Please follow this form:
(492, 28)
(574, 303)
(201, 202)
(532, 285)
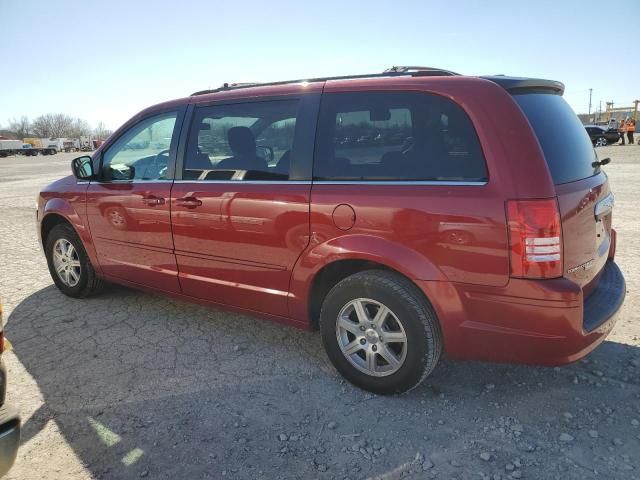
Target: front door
(128, 207)
(240, 218)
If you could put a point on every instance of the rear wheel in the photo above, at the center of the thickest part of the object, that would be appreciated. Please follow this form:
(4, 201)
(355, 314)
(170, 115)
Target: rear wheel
(601, 142)
(380, 332)
(69, 265)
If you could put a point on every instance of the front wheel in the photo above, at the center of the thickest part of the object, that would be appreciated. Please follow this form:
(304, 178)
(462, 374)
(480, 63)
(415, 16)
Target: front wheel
(69, 265)
(601, 142)
(380, 332)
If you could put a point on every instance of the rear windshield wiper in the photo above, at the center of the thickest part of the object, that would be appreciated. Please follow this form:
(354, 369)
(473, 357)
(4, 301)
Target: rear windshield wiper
(601, 163)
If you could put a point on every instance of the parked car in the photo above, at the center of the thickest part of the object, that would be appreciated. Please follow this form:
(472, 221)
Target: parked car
(463, 240)
(601, 137)
(9, 419)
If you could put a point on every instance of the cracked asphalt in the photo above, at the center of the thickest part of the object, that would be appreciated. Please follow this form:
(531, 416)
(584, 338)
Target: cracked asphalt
(129, 384)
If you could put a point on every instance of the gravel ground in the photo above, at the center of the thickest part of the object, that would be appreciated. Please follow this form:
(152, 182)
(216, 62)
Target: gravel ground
(130, 385)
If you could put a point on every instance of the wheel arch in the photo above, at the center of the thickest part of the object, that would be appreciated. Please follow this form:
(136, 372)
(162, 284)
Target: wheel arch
(324, 265)
(48, 222)
(57, 211)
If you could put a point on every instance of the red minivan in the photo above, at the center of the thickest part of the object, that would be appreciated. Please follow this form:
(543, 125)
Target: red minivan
(403, 214)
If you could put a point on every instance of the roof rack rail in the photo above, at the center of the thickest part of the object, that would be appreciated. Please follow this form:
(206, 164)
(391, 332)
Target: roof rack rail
(389, 72)
(419, 70)
(228, 86)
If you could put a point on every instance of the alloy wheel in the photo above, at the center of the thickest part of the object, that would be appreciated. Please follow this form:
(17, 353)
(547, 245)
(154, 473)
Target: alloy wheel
(371, 337)
(66, 262)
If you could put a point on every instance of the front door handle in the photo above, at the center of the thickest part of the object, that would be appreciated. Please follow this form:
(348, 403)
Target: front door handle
(189, 202)
(152, 200)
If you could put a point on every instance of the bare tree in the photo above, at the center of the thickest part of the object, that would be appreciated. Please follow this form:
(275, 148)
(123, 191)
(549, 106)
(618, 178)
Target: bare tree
(57, 125)
(21, 127)
(52, 125)
(79, 128)
(101, 132)
(61, 125)
(41, 126)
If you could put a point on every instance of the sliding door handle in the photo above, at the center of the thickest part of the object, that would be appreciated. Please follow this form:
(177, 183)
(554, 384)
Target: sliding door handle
(188, 202)
(152, 200)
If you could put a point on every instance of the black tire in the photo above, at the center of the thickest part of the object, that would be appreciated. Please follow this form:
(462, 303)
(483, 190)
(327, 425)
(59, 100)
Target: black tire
(88, 284)
(424, 338)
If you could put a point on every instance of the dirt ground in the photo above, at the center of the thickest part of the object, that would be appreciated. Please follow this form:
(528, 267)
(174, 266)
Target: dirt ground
(129, 385)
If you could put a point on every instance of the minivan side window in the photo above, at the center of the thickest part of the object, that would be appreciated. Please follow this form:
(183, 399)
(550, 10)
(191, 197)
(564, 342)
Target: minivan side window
(141, 153)
(241, 141)
(396, 136)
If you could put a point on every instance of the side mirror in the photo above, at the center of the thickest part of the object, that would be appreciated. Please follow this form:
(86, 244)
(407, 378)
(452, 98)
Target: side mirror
(82, 168)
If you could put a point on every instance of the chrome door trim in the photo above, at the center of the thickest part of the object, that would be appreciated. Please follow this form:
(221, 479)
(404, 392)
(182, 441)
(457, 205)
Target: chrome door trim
(332, 182)
(97, 182)
(249, 182)
(400, 182)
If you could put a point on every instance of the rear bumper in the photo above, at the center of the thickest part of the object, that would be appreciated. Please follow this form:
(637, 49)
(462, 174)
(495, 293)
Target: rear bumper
(9, 437)
(544, 322)
(605, 301)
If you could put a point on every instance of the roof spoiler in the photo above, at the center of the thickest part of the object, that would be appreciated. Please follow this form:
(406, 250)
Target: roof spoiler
(522, 85)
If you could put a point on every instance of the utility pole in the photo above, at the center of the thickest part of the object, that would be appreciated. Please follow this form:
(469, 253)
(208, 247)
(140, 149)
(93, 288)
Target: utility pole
(590, 92)
(600, 111)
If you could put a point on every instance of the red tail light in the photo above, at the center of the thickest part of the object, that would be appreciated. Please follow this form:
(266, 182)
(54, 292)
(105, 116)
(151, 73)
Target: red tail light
(535, 238)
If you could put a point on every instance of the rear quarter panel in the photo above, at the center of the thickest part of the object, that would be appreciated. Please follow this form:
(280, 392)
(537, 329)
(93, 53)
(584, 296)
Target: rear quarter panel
(443, 233)
(449, 233)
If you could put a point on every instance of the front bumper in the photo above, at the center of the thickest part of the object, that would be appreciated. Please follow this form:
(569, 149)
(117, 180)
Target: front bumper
(538, 322)
(9, 437)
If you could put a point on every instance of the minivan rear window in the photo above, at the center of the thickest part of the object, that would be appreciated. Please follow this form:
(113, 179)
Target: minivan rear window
(564, 140)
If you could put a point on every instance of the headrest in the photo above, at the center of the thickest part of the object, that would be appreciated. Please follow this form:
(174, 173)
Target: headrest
(241, 141)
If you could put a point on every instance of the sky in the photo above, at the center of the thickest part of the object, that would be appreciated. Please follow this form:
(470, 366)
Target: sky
(107, 60)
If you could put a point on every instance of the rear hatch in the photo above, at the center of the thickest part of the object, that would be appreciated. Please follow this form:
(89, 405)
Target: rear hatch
(584, 198)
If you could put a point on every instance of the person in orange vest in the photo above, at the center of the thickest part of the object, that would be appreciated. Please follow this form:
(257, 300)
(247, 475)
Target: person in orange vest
(622, 128)
(631, 127)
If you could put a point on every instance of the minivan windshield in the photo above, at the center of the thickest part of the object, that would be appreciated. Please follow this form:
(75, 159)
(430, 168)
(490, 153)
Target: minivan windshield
(564, 140)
